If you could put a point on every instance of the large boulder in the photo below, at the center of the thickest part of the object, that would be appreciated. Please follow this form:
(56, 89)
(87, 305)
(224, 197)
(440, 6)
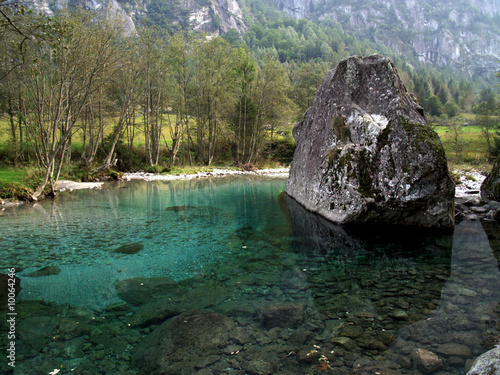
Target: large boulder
(490, 188)
(487, 363)
(365, 152)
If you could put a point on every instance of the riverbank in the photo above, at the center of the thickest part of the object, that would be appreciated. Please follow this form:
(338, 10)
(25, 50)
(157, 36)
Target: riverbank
(468, 186)
(278, 172)
(64, 185)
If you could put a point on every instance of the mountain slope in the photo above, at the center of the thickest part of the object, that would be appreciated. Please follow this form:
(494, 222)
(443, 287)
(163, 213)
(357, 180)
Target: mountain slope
(461, 34)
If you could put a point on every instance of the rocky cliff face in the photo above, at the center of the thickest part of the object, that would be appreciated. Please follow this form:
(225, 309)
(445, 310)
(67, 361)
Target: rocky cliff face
(214, 16)
(365, 153)
(464, 35)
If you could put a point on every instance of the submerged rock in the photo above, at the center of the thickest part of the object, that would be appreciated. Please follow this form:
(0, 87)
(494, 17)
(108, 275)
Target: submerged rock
(426, 361)
(131, 248)
(179, 208)
(179, 344)
(365, 152)
(139, 290)
(45, 271)
(287, 315)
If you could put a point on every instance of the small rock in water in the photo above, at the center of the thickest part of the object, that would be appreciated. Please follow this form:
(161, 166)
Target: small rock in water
(131, 248)
(139, 290)
(400, 315)
(454, 350)
(179, 208)
(289, 315)
(426, 360)
(45, 271)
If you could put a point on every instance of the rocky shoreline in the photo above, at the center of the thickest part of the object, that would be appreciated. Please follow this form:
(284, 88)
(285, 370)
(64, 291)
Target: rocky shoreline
(67, 185)
(277, 172)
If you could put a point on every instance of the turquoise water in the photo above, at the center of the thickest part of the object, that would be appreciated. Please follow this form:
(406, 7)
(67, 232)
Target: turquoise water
(183, 225)
(363, 299)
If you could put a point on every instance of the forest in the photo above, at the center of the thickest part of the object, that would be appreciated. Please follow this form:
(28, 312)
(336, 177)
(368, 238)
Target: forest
(79, 98)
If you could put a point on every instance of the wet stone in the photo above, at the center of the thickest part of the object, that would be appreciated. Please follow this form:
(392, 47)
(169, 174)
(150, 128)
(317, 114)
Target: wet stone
(345, 343)
(308, 356)
(232, 349)
(45, 271)
(400, 315)
(131, 248)
(207, 361)
(351, 331)
(176, 346)
(453, 349)
(377, 345)
(139, 290)
(289, 315)
(456, 361)
(426, 361)
(258, 367)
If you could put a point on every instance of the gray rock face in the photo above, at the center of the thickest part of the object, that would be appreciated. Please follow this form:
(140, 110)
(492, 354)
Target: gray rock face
(365, 152)
(490, 189)
(487, 364)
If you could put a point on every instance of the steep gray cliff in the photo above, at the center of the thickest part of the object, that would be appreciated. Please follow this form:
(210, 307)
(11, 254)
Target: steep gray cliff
(365, 153)
(212, 16)
(464, 35)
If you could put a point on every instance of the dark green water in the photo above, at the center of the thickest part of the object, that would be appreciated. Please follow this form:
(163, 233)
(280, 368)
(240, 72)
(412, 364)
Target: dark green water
(349, 300)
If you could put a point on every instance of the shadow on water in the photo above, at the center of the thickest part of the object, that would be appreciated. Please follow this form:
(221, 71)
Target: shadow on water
(274, 289)
(398, 296)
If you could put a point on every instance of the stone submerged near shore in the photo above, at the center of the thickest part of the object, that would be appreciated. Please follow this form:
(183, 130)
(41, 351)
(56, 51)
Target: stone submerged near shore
(366, 154)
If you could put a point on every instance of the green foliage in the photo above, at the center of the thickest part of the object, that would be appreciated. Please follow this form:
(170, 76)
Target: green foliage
(168, 15)
(434, 106)
(451, 109)
(14, 191)
(280, 150)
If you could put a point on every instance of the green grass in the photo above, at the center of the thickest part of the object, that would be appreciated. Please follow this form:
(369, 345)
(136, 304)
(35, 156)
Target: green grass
(11, 175)
(5, 130)
(472, 148)
(18, 183)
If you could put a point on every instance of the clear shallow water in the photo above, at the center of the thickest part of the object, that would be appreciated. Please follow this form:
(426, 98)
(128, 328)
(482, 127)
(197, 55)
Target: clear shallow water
(236, 246)
(183, 225)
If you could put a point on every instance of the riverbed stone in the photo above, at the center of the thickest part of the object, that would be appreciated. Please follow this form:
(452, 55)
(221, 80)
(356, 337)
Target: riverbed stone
(366, 154)
(131, 248)
(426, 360)
(45, 271)
(453, 349)
(287, 315)
(139, 290)
(345, 343)
(34, 334)
(180, 343)
(258, 367)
